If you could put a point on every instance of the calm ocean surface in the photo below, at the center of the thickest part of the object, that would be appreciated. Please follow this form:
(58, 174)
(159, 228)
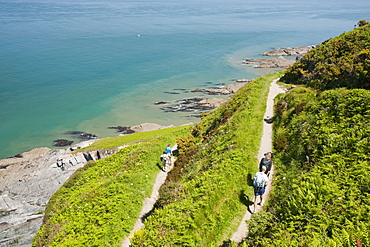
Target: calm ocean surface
(80, 66)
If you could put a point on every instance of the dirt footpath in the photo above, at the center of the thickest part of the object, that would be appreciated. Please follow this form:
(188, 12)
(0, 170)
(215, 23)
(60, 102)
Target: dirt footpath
(265, 146)
(149, 202)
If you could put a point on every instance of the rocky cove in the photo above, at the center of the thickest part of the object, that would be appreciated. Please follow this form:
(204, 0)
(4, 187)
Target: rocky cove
(28, 180)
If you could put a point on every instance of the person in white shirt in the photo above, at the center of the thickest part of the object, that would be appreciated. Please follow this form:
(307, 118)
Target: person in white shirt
(166, 161)
(260, 180)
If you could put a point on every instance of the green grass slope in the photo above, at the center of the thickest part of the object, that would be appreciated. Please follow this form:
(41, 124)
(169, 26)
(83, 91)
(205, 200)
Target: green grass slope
(204, 197)
(100, 203)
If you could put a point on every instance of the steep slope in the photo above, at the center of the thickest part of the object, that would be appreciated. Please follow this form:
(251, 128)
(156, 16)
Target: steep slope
(207, 191)
(99, 204)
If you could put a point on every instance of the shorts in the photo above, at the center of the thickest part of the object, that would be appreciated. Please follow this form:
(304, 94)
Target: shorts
(259, 191)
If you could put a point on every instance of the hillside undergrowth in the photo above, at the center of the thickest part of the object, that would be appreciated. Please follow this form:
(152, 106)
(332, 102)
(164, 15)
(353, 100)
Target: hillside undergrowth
(321, 188)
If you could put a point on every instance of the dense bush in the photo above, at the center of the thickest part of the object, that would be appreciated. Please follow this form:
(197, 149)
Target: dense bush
(343, 61)
(321, 187)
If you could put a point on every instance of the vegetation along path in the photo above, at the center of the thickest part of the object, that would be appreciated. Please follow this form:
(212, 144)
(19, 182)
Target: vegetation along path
(149, 202)
(265, 146)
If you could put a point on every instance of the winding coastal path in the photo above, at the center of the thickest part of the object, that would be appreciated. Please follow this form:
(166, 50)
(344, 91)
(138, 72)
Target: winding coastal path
(265, 146)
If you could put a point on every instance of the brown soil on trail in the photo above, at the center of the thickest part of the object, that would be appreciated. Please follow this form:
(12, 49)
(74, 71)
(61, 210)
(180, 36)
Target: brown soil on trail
(265, 146)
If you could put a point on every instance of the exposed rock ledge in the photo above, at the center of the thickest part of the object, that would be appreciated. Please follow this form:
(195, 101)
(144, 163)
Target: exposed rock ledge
(27, 183)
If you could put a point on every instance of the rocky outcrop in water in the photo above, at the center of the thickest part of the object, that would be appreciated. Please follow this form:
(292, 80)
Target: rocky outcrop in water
(280, 61)
(227, 90)
(62, 143)
(295, 51)
(275, 62)
(140, 128)
(199, 105)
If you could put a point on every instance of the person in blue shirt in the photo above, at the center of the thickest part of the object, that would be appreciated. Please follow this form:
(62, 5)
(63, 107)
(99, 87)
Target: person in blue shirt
(168, 151)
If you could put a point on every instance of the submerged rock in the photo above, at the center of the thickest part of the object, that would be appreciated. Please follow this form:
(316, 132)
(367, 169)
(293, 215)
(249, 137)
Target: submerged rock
(160, 103)
(62, 143)
(82, 135)
(123, 129)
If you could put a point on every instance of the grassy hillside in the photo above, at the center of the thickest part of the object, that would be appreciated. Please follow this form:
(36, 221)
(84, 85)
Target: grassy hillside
(321, 185)
(206, 193)
(100, 203)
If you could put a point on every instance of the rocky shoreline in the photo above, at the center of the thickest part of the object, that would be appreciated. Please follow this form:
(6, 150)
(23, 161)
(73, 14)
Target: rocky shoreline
(28, 180)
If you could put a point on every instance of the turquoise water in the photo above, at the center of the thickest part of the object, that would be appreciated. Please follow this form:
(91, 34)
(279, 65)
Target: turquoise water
(79, 65)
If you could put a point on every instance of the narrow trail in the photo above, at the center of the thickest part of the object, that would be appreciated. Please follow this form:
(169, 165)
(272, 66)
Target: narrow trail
(149, 202)
(265, 146)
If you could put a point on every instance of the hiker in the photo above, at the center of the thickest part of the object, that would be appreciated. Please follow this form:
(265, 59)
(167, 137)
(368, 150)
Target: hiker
(168, 151)
(267, 162)
(260, 180)
(165, 158)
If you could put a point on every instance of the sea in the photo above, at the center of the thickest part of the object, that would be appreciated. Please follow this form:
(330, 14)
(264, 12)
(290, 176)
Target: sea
(85, 66)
